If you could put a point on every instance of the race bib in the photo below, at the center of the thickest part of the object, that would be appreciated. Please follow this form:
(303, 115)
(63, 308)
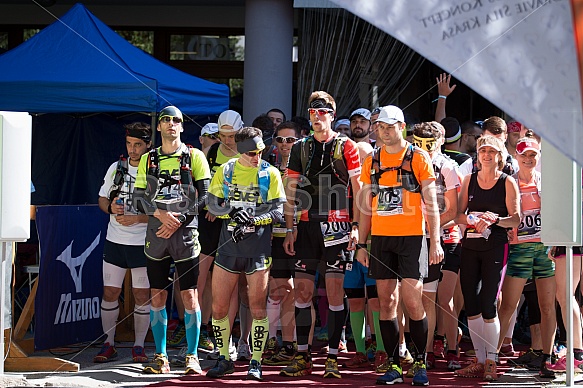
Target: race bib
(249, 207)
(390, 201)
(530, 226)
(335, 233)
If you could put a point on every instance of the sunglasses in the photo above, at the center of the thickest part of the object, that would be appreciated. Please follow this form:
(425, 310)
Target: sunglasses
(252, 153)
(283, 139)
(320, 111)
(212, 136)
(168, 119)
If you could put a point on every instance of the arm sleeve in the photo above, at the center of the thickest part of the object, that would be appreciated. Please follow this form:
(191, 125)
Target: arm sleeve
(352, 158)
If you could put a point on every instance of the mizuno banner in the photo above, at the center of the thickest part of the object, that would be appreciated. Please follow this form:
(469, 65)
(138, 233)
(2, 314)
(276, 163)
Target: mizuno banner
(519, 54)
(68, 299)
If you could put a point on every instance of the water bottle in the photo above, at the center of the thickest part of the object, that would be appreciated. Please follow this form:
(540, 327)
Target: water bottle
(473, 220)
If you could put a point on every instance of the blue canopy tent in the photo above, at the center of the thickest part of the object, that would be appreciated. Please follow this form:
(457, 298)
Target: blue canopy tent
(79, 65)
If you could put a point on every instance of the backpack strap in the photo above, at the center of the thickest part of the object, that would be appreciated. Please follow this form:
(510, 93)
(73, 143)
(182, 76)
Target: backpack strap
(211, 155)
(120, 171)
(338, 161)
(306, 153)
(263, 178)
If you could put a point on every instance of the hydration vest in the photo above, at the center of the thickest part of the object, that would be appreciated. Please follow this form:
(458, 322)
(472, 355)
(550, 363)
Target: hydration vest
(404, 170)
(336, 156)
(263, 178)
(185, 181)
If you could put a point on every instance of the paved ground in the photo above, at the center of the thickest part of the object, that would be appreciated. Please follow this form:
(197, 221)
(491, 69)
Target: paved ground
(123, 373)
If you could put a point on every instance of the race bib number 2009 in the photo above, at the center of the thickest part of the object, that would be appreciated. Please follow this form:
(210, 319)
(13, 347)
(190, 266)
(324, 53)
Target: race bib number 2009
(335, 232)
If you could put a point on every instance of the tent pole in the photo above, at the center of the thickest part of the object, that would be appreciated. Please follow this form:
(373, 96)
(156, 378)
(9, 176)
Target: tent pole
(153, 126)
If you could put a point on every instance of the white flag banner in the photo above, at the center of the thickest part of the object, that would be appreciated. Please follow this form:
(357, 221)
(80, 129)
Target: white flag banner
(519, 54)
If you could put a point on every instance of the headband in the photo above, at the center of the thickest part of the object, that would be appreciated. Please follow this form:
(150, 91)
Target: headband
(253, 144)
(138, 134)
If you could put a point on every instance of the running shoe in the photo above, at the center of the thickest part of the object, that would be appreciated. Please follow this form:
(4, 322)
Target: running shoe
(438, 348)
(527, 357)
(490, 373)
(301, 365)
(371, 350)
(323, 335)
(254, 372)
(178, 336)
(106, 354)
(357, 362)
(507, 350)
(342, 347)
(243, 352)
(281, 358)
(475, 369)
(221, 368)
(545, 372)
(139, 354)
(420, 376)
(407, 359)
(535, 362)
(561, 365)
(205, 342)
(331, 369)
(430, 361)
(180, 359)
(159, 365)
(192, 365)
(453, 362)
(271, 347)
(394, 375)
(380, 362)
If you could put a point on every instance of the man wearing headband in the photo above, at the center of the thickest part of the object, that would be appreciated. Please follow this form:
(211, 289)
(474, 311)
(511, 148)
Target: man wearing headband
(228, 123)
(440, 283)
(247, 195)
(360, 126)
(171, 187)
(124, 245)
(396, 179)
(323, 170)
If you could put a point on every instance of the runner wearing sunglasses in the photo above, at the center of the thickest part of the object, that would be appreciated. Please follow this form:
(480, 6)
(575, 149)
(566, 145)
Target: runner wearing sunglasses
(247, 193)
(321, 170)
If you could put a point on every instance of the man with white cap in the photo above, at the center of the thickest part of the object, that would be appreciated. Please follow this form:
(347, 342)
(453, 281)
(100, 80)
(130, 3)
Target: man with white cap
(247, 193)
(208, 136)
(360, 125)
(396, 178)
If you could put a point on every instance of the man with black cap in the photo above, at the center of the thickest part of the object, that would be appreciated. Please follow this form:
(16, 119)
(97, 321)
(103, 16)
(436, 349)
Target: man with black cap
(170, 188)
(322, 169)
(360, 125)
(124, 245)
(247, 194)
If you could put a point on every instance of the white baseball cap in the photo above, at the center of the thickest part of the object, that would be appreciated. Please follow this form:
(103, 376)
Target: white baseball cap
(361, 112)
(209, 129)
(232, 118)
(391, 114)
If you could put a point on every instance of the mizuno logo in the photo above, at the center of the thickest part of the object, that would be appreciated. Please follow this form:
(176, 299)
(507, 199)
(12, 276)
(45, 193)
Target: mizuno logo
(79, 261)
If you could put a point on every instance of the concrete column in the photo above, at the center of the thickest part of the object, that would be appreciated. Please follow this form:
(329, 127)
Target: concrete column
(268, 57)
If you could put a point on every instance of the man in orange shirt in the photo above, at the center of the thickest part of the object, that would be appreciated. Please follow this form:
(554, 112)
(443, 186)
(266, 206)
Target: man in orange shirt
(396, 178)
